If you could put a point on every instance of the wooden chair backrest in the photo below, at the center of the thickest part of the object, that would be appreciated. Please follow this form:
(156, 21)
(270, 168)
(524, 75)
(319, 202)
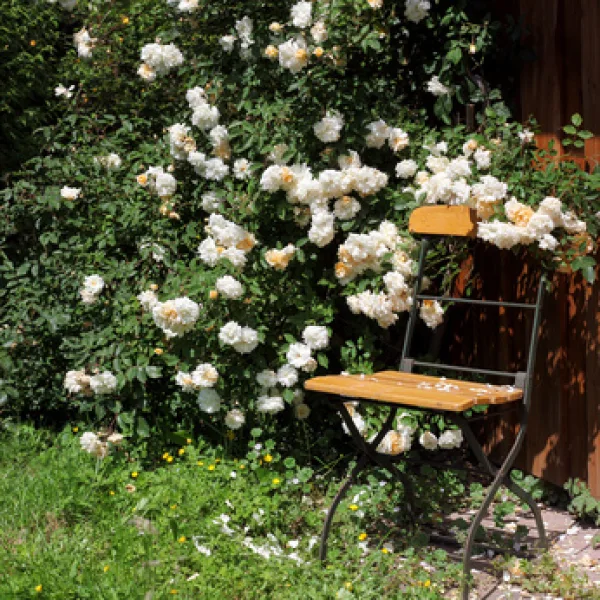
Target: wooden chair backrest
(460, 221)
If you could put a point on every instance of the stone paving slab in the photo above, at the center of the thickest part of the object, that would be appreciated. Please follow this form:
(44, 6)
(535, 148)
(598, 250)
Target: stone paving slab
(570, 544)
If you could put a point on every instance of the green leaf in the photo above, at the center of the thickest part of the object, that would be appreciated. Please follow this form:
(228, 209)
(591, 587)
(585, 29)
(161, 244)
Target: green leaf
(570, 129)
(577, 120)
(142, 427)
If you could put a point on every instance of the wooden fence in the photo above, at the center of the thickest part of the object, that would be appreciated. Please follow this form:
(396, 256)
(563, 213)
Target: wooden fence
(564, 432)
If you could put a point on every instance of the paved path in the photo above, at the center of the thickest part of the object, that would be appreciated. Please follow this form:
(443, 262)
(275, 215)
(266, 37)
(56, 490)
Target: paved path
(571, 543)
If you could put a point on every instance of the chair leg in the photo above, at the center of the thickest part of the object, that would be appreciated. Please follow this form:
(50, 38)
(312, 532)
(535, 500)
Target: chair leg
(501, 476)
(360, 465)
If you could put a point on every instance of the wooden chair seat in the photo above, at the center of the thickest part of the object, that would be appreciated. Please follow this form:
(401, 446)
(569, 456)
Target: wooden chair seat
(410, 389)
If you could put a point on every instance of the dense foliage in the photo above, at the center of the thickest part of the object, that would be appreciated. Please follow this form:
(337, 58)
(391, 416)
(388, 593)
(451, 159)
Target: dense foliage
(214, 164)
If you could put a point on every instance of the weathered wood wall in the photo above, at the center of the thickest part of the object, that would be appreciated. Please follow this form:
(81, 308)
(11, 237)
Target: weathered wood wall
(564, 431)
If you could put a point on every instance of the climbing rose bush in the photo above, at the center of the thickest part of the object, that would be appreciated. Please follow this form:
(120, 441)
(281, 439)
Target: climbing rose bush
(222, 212)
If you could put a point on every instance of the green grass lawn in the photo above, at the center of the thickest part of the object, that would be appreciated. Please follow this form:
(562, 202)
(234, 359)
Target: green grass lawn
(197, 526)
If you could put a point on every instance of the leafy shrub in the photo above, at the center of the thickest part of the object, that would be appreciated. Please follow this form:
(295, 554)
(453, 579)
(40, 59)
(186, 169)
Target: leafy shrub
(390, 82)
(31, 45)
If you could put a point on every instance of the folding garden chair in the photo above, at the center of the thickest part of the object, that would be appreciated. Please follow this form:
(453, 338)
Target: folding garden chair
(449, 397)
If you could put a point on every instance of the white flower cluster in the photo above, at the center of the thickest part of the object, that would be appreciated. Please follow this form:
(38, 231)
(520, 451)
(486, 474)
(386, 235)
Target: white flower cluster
(61, 90)
(452, 181)
(148, 300)
(204, 115)
(302, 188)
(299, 355)
(78, 382)
(92, 287)
(451, 438)
(111, 161)
(157, 180)
(176, 317)
(69, 193)
(203, 376)
(280, 258)
(180, 141)
(437, 88)
(416, 10)
(243, 339)
(364, 251)
(527, 226)
(301, 14)
(432, 313)
(235, 419)
(184, 6)
(380, 133)
(158, 59)
(84, 43)
(244, 29)
(94, 444)
(293, 54)
(226, 241)
(66, 4)
(328, 129)
(229, 287)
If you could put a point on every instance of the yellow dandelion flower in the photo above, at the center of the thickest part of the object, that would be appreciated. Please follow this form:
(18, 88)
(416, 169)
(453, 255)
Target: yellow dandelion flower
(38, 588)
(181, 451)
(75, 429)
(125, 20)
(165, 456)
(158, 351)
(188, 441)
(200, 463)
(182, 539)
(173, 506)
(211, 467)
(353, 507)
(106, 568)
(169, 459)
(32, 43)
(173, 592)
(268, 458)
(242, 466)
(384, 550)
(362, 537)
(111, 493)
(348, 585)
(427, 583)
(276, 481)
(134, 474)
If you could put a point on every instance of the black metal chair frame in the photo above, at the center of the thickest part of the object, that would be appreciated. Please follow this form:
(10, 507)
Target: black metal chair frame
(369, 456)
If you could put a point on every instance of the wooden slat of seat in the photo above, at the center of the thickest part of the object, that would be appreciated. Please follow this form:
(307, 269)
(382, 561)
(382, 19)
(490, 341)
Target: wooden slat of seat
(353, 386)
(482, 393)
